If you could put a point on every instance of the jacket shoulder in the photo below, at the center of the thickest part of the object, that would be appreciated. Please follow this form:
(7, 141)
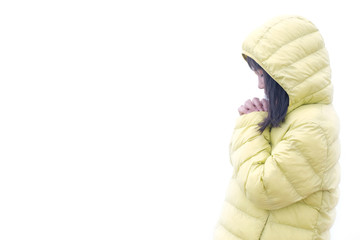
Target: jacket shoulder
(322, 114)
(321, 117)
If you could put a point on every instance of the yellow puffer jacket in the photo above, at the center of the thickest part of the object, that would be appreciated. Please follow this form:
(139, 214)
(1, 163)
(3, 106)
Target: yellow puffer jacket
(285, 181)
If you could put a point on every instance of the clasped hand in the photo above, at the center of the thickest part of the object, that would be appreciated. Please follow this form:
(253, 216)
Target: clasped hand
(254, 105)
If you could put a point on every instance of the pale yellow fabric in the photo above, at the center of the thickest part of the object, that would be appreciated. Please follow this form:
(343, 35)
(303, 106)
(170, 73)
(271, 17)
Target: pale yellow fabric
(285, 181)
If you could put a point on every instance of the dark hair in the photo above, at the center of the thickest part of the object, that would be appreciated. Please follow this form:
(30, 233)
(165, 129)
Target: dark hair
(277, 96)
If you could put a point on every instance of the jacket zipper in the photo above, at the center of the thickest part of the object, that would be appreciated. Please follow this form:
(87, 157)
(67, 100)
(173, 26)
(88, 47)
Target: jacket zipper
(264, 226)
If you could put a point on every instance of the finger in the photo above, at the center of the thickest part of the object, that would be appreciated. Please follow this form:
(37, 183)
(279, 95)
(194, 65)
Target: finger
(258, 104)
(242, 110)
(265, 104)
(249, 105)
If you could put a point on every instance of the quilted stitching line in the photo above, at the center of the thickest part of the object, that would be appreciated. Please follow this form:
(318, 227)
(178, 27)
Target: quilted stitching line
(289, 43)
(287, 178)
(228, 230)
(241, 139)
(306, 159)
(247, 159)
(267, 30)
(230, 203)
(298, 60)
(295, 103)
(313, 74)
(305, 229)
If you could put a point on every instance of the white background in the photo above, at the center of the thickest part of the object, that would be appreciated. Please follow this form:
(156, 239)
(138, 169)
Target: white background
(115, 116)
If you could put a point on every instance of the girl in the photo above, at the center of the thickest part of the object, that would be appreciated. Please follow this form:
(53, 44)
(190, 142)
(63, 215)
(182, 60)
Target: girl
(284, 150)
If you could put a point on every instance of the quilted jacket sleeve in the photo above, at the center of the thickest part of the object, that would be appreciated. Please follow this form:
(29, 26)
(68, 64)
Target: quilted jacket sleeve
(273, 178)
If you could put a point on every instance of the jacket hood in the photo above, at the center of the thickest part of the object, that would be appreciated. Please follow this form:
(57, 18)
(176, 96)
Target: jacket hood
(292, 51)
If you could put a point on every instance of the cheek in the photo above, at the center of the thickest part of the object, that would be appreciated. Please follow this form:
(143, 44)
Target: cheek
(261, 81)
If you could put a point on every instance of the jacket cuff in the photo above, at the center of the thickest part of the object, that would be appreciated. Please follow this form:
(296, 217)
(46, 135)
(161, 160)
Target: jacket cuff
(249, 119)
